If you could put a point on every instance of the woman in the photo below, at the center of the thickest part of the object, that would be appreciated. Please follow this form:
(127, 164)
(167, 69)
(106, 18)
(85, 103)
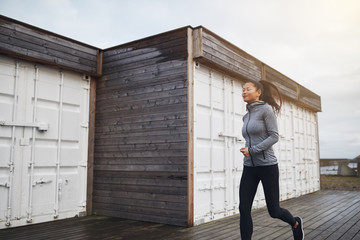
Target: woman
(260, 164)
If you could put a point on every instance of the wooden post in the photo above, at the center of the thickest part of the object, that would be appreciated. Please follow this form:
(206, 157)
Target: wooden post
(190, 125)
(91, 139)
(196, 47)
(99, 62)
(263, 71)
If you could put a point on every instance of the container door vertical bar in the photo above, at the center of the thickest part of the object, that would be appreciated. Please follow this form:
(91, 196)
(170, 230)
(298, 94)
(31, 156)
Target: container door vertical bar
(232, 169)
(82, 166)
(58, 155)
(211, 168)
(12, 149)
(227, 146)
(32, 158)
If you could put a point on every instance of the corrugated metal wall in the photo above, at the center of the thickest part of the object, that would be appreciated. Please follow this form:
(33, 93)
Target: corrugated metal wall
(218, 163)
(43, 143)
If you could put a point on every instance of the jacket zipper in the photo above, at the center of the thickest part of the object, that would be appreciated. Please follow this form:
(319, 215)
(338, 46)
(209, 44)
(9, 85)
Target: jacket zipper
(251, 158)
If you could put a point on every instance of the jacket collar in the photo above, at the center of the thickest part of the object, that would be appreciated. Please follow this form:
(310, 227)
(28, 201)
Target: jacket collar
(254, 104)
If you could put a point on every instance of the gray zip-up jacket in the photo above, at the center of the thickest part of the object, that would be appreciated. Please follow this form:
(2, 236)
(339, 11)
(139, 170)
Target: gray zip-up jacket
(260, 131)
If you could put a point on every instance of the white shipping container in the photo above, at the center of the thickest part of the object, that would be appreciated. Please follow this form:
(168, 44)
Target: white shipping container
(218, 163)
(43, 143)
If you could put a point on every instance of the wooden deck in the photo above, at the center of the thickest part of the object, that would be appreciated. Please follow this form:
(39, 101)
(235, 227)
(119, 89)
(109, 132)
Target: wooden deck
(326, 215)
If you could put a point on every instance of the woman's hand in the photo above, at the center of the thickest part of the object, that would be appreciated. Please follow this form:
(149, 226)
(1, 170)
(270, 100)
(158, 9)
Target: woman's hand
(245, 151)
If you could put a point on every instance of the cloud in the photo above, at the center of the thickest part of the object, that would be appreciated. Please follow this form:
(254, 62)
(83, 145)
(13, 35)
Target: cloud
(316, 43)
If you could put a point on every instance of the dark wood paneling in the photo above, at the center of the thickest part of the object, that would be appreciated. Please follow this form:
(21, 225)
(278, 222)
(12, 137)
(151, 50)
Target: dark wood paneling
(31, 43)
(230, 57)
(309, 98)
(140, 166)
(286, 86)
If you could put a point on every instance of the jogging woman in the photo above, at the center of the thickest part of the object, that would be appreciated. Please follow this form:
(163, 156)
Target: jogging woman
(260, 163)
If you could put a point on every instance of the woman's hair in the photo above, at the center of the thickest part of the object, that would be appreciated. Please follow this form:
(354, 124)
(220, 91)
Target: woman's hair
(269, 94)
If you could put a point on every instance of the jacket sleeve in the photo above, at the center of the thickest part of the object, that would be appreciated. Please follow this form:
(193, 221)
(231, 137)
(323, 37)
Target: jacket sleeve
(272, 135)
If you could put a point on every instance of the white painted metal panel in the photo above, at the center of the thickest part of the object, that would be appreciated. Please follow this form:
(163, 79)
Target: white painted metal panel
(44, 177)
(217, 169)
(218, 163)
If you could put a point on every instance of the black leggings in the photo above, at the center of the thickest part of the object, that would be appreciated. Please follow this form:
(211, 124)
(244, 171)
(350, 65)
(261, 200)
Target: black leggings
(269, 177)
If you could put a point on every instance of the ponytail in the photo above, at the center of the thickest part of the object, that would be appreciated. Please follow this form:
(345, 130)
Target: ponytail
(269, 94)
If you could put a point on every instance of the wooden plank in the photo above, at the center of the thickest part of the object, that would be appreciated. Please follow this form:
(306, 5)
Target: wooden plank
(102, 123)
(138, 144)
(265, 227)
(331, 223)
(133, 129)
(124, 133)
(141, 203)
(152, 175)
(175, 107)
(151, 68)
(158, 193)
(229, 53)
(230, 57)
(30, 43)
(158, 98)
(145, 161)
(167, 37)
(143, 92)
(354, 231)
(141, 154)
(170, 219)
(139, 61)
(228, 66)
(309, 98)
(171, 191)
(141, 195)
(286, 86)
(141, 181)
(31, 55)
(42, 45)
(345, 230)
(21, 27)
(142, 80)
(148, 50)
(128, 82)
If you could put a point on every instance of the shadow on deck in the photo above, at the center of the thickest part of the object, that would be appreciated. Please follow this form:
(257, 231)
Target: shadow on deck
(326, 215)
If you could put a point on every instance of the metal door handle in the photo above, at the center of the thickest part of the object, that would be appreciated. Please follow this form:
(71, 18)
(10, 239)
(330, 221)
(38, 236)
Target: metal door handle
(41, 126)
(238, 138)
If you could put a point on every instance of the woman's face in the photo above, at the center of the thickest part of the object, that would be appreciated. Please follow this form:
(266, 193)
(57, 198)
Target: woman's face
(250, 94)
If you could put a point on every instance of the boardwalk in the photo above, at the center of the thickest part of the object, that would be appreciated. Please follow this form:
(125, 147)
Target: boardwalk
(326, 215)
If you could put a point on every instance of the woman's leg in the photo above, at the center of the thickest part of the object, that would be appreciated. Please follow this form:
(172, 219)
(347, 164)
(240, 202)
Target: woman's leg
(270, 182)
(248, 186)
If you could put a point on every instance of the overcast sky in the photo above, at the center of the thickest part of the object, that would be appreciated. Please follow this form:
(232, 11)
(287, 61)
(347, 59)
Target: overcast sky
(314, 42)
